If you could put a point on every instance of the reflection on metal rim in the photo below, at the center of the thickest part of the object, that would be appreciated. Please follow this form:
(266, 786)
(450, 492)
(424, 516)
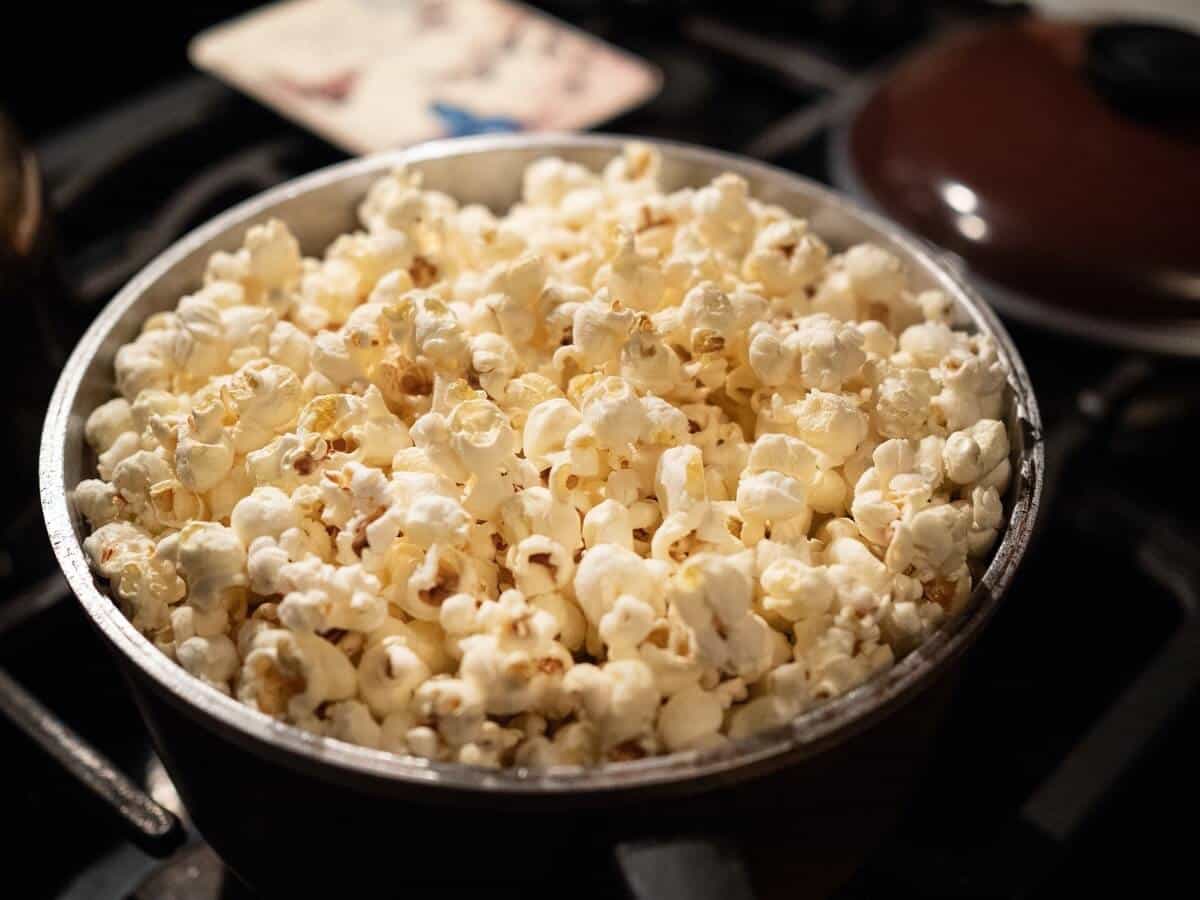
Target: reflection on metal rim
(809, 733)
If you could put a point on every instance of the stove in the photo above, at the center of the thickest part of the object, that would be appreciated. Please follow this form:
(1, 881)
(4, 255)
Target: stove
(1066, 758)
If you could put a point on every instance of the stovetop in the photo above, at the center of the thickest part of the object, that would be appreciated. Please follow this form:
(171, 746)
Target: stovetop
(1086, 673)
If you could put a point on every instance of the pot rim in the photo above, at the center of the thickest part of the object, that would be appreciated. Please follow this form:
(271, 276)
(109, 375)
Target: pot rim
(809, 733)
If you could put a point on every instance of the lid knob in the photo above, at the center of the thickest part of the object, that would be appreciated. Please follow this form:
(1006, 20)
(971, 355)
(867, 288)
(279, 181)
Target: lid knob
(1146, 71)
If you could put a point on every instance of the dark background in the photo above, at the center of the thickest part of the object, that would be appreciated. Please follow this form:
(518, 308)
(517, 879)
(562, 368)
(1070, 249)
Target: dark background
(1081, 623)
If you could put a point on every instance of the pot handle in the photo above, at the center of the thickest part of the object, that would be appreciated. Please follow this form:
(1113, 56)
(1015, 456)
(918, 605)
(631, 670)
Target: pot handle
(150, 826)
(683, 868)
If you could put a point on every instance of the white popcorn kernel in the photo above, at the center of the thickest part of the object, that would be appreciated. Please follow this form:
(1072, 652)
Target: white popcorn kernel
(796, 590)
(291, 347)
(613, 413)
(107, 423)
(935, 306)
(961, 457)
(633, 276)
(680, 483)
(608, 523)
(987, 515)
(772, 360)
(423, 325)
(351, 721)
(712, 594)
(598, 330)
(173, 505)
(145, 583)
(707, 316)
(783, 453)
(978, 454)
(214, 659)
(770, 497)
(547, 427)
(443, 572)
(904, 401)
(626, 625)
(325, 597)
(268, 511)
(99, 502)
(294, 673)
(831, 423)
(647, 362)
(609, 571)
(433, 519)
(690, 718)
(481, 436)
(274, 259)
(785, 257)
(204, 454)
(547, 181)
(124, 446)
(927, 343)
(212, 561)
(569, 618)
(540, 565)
(535, 511)
(619, 698)
(389, 674)
(830, 352)
(877, 340)
(637, 162)
(875, 274)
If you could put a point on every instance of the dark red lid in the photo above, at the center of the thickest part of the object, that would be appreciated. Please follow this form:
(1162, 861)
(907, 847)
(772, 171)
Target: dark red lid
(996, 144)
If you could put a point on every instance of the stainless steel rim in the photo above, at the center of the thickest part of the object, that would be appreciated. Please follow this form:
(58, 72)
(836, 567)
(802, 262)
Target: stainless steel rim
(807, 734)
(1170, 337)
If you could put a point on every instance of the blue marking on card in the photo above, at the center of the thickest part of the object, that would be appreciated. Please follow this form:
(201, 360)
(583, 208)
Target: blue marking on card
(459, 122)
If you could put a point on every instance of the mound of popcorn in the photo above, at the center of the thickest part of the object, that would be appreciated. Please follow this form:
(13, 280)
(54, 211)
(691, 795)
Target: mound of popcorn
(618, 473)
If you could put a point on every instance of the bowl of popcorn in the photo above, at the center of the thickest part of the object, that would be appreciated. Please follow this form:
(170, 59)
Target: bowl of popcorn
(528, 467)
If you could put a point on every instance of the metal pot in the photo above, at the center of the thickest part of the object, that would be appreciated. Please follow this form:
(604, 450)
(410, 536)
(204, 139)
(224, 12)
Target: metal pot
(283, 806)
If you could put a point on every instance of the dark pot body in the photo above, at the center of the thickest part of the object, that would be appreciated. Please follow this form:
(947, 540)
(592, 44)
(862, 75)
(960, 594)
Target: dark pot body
(263, 809)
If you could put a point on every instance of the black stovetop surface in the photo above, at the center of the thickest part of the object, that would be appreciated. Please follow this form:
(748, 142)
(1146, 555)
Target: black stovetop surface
(1104, 596)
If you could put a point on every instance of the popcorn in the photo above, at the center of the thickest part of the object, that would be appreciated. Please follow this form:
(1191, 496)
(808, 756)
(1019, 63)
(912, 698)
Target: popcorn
(98, 501)
(144, 581)
(609, 572)
(830, 423)
(388, 675)
(290, 673)
(713, 594)
(875, 274)
(830, 352)
(547, 427)
(213, 660)
(634, 277)
(691, 719)
(619, 698)
(613, 474)
(266, 512)
(608, 522)
(785, 258)
(212, 561)
(273, 255)
(204, 453)
(978, 455)
(108, 422)
(613, 413)
(323, 597)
